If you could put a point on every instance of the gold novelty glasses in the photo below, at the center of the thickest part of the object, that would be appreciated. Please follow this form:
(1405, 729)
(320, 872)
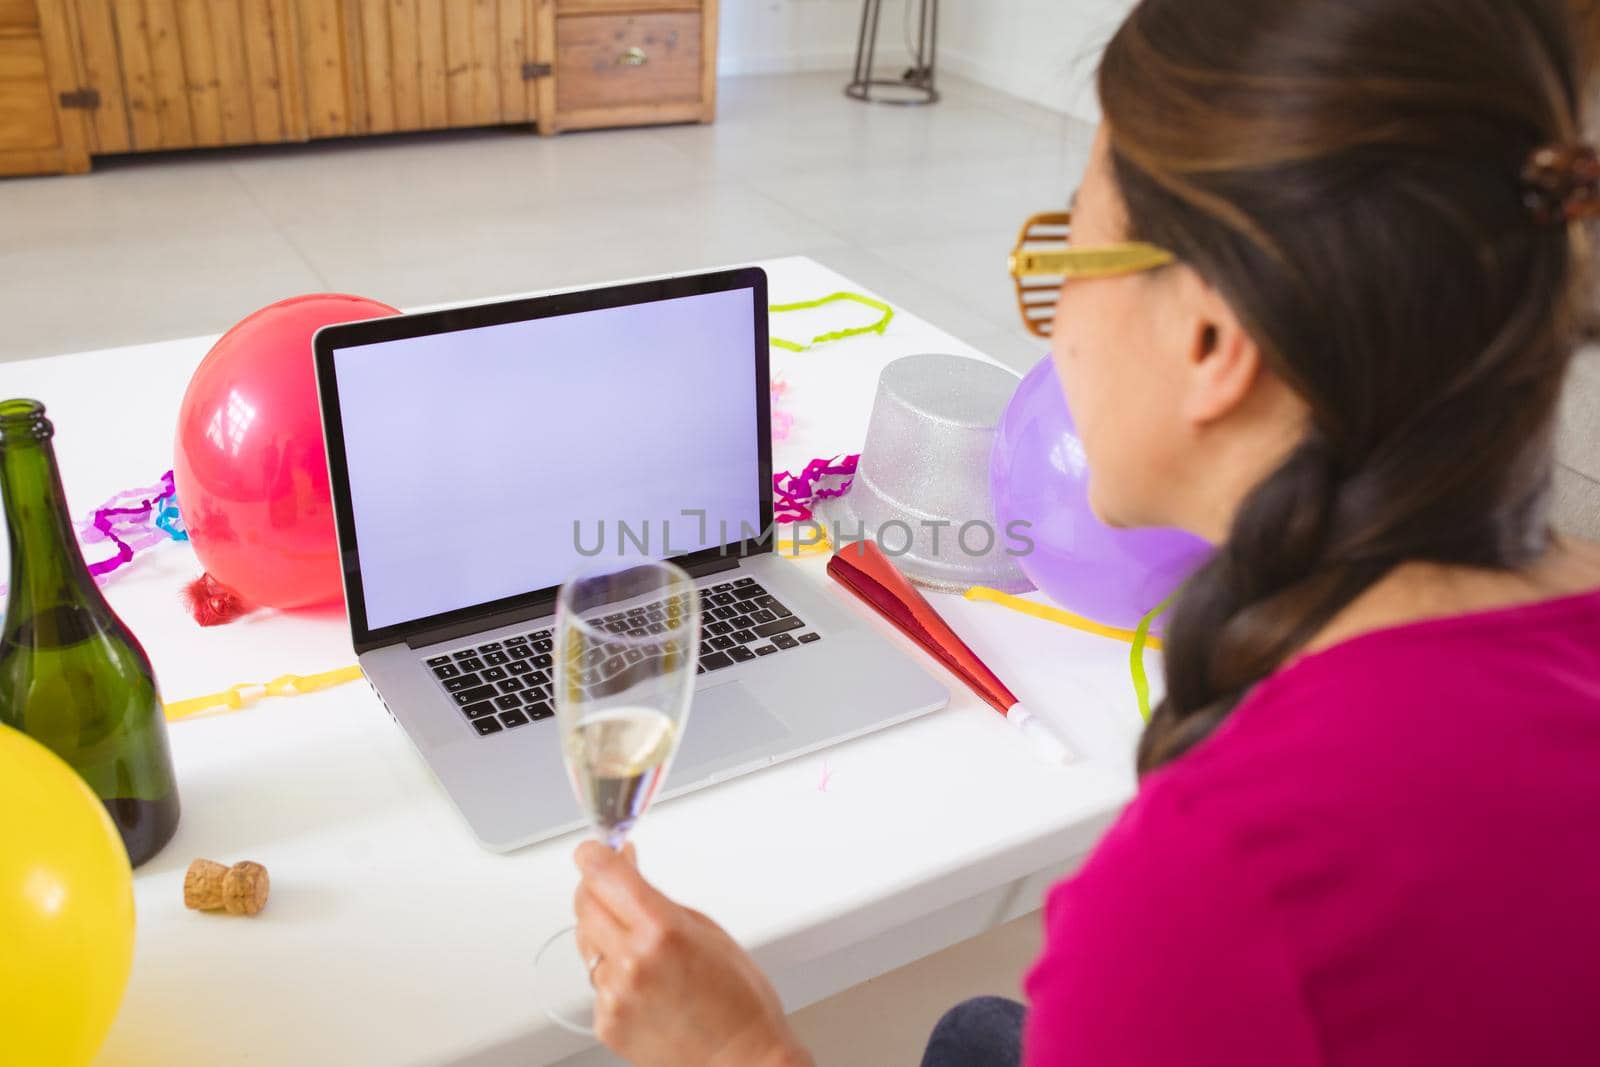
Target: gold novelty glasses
(1043, 261)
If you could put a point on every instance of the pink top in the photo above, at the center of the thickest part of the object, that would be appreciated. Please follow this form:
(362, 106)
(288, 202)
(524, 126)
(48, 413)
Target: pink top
(1389, 854)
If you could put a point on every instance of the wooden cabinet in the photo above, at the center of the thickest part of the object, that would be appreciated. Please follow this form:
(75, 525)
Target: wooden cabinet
(640, 66)
(37, 133)
(83, 77)
(379, 66)
(184, 73)
(197, 73)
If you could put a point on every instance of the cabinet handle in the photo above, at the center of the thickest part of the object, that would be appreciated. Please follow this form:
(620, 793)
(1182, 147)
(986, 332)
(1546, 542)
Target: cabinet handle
(633, 57)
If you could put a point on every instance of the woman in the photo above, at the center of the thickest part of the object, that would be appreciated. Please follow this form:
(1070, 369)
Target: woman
(1368, 827)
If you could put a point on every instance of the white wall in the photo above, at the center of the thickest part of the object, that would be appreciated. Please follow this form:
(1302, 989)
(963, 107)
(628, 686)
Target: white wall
(1044, 51)
(778, 36)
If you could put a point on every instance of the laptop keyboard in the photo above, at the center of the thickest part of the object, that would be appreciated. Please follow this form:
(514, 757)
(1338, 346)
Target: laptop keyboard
(500, 685)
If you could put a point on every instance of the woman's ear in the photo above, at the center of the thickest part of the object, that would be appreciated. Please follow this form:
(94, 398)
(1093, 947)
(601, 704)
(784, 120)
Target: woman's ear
(1222, 361)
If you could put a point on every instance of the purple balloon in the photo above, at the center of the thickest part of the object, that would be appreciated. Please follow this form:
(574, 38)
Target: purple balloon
(1038, 474)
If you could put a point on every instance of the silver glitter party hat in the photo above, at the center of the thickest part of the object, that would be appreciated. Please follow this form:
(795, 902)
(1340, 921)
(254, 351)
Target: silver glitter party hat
(921, 489)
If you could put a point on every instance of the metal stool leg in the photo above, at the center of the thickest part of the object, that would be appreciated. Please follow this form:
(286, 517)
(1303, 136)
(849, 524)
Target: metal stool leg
(918, 81)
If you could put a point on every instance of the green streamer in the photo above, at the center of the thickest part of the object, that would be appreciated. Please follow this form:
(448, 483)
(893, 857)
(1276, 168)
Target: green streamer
(833, 335)
(1141, 682)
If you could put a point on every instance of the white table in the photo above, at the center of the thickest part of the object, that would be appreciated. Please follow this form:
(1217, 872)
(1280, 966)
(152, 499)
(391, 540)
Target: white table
(391, 938)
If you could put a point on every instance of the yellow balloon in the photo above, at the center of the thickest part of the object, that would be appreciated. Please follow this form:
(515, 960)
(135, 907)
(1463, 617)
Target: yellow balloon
(66, 910)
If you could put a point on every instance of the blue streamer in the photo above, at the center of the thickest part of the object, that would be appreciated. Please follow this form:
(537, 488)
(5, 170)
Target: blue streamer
(168, 518)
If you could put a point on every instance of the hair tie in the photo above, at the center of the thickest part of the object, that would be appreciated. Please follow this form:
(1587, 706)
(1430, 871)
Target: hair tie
(1561, 184)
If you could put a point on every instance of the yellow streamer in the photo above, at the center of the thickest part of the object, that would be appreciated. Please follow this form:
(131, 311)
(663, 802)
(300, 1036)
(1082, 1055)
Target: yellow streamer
(243, 695)
(878, 327)
(1141, 638)
(1056, 615)
(795, 549)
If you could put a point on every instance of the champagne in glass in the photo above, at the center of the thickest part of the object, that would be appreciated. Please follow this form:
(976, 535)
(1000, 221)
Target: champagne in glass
(618, 758)
(627, 650)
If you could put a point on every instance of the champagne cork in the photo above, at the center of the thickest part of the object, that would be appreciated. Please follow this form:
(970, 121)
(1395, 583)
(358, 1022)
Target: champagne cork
(238, 890)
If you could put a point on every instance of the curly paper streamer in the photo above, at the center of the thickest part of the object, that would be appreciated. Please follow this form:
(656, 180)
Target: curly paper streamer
(1138, 640)
(89, 531)
(132, 520)
(238, 697)
(169, 521)
(887, 316)
(794, 494)
(103, 523)
(782, 421)
(1141, 637)
(796, 548)
(1056, 615)
(114, 513)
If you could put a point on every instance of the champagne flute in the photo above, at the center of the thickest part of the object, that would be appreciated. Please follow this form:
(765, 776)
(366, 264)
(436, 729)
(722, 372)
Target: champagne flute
(627, 650)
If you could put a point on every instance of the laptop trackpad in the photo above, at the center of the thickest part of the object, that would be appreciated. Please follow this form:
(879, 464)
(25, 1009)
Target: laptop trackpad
(725, 722)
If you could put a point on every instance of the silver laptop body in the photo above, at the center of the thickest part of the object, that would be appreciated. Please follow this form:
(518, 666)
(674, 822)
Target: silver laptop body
(459, 443)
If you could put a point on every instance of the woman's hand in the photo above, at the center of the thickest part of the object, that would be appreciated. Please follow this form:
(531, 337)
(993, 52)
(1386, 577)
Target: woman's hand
(672, 989)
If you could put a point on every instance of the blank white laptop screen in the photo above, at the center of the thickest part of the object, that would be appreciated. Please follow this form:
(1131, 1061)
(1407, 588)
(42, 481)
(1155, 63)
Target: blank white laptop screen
(490, 462)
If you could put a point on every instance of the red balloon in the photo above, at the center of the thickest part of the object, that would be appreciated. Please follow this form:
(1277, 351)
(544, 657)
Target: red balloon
(250, 470)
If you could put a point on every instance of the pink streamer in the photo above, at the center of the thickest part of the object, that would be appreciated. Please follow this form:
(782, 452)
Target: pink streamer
(782, 421)
(89, 531)
(127, 520)
(106, 522)
(794, 494)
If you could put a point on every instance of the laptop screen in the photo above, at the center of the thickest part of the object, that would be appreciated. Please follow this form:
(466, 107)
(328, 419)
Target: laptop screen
(493, 461)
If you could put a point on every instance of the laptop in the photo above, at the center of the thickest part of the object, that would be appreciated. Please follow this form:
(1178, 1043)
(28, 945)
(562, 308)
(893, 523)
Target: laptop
(480, 455)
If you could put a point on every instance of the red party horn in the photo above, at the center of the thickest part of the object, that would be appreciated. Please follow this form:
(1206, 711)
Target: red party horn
(862, 568)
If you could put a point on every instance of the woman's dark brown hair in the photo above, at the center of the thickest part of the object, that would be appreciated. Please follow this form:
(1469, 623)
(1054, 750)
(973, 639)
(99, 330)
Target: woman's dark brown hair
(1347, 173)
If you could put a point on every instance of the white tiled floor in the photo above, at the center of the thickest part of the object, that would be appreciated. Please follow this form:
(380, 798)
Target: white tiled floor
(918, 204)
(886, 1022)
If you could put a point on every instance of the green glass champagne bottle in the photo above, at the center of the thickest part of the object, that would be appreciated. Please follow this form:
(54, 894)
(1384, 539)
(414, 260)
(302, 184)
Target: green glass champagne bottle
(72, 676)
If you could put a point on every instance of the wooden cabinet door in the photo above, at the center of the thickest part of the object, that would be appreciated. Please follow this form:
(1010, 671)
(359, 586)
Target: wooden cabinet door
(187, 73)
(39, 131)
(377, 66)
